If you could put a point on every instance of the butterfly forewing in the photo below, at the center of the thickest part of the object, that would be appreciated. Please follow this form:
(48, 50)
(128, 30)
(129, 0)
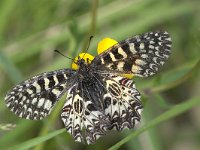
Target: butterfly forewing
(34, 98)
(141, 55)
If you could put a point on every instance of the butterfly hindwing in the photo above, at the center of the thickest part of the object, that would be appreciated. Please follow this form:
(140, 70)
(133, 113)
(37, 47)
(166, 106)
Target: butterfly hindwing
(34, 98)
(141, 55)
(115, 105)
(81, 117)
(122, 102)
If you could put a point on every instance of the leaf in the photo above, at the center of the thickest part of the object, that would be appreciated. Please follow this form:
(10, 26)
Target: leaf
(175, 83)
(33, 142)
(171, 113)
(10, 68)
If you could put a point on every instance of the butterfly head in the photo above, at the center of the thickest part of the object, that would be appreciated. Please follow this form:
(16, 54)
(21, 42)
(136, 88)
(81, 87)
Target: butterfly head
(82, 59)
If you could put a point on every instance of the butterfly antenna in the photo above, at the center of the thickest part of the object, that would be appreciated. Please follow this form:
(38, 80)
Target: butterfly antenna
(57, 51)
(88, 45)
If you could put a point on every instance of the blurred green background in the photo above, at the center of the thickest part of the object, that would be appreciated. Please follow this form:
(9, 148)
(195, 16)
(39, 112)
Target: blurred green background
(30, 30)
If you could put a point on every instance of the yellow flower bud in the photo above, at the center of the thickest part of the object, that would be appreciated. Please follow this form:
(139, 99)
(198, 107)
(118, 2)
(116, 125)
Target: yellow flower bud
(105, 44)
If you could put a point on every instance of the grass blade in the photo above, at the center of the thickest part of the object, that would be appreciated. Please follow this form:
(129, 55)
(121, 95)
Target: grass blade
(171, 113)
(33, 142)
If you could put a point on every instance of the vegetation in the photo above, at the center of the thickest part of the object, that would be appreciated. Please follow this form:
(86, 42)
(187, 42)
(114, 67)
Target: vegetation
(30, 31)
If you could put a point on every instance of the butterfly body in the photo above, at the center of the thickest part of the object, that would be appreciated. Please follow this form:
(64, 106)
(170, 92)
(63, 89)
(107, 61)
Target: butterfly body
(84, 72)
(98, 98)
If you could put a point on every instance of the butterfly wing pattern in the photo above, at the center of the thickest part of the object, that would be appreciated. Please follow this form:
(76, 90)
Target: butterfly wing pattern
(99, 98)
(141, 55)
(80, 112)
(122, 103)
(34, 98)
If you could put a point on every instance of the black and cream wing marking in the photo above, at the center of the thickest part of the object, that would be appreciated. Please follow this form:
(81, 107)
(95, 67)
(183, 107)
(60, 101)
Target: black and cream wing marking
(108, 102)
(141, 55)
(122, 102)
(84, 120)
(34, 98)
(98, 98)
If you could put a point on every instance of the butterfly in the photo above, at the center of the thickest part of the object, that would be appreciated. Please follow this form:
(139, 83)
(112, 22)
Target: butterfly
(99, 98)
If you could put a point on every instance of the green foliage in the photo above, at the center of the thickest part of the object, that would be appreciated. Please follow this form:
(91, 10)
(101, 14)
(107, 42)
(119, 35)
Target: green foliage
(31, 30)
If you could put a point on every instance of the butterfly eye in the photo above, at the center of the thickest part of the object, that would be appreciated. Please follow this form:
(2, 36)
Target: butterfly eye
(88, 60)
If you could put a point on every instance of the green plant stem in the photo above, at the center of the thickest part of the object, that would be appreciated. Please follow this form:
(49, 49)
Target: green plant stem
(30, 143)
(93, 23)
